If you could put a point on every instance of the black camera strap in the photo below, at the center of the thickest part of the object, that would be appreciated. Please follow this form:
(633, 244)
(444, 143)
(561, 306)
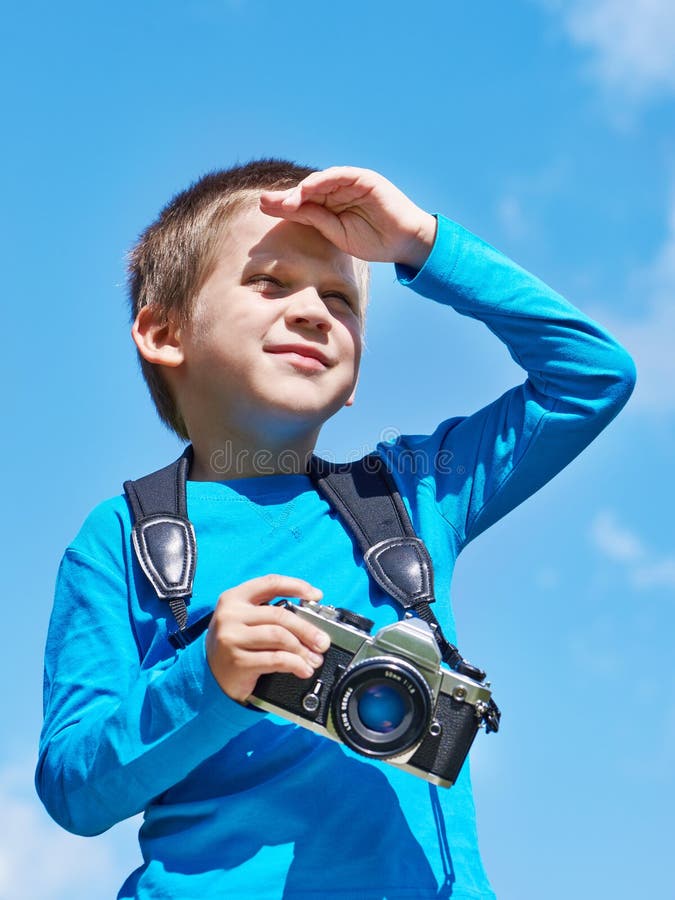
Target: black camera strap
(163, 537)
(364, 495)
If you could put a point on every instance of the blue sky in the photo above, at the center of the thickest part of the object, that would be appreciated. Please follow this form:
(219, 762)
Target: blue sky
(548, 127)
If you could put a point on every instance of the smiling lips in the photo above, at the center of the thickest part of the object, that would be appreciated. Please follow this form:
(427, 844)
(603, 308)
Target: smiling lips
(304, 356)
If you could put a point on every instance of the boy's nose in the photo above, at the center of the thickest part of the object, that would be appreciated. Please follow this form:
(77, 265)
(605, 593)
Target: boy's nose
(307, 308)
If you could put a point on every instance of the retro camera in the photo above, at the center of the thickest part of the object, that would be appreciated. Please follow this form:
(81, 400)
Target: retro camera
(386, 696)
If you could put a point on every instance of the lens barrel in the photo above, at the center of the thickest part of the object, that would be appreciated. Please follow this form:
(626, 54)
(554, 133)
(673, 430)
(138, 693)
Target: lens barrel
(380, 707)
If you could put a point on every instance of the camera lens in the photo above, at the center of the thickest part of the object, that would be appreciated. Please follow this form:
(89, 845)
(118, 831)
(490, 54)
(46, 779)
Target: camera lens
(380, 707)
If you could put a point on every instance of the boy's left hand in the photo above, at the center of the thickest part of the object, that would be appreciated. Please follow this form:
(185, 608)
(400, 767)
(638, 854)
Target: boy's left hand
(360, 212)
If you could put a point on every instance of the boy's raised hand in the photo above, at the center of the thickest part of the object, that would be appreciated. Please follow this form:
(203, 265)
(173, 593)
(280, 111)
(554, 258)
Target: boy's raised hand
(248, 638)
(360, 212)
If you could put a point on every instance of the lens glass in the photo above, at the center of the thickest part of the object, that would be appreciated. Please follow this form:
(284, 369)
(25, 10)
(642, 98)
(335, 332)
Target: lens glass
(381, 708)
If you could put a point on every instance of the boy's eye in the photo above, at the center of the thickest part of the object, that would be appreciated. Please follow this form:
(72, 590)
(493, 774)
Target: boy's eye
(337, 296)
(264, 282)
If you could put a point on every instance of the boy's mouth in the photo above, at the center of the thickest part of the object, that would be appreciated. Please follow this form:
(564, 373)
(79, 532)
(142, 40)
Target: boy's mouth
(305, 355)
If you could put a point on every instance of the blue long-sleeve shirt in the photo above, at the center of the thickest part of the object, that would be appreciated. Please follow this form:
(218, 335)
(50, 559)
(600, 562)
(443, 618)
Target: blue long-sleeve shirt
(241, 804)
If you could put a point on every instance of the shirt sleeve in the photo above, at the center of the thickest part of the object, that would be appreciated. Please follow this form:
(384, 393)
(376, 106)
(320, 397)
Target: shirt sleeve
(116, 733)
(578, 378)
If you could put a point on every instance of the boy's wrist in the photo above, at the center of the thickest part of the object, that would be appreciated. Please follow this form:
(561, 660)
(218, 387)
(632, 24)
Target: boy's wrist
(420, 245)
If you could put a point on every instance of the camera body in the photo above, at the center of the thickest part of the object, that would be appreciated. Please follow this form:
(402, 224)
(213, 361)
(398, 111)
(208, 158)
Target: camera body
(386, 696)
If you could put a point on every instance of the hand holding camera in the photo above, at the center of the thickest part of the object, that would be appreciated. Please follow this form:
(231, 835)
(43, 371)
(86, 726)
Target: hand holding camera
(248, 638)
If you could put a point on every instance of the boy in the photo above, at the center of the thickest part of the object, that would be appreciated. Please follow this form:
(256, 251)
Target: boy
(249, 295)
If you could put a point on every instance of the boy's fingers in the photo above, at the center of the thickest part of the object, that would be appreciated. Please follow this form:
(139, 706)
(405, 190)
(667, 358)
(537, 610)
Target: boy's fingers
(269, 587)
(326, 178)
(279, 619)
(272, 198)
(319, 217)
(270, 638)
(266, 662)
(336, 176)
(318, 185)
(291, 201)
(248, 638)
(256, 594)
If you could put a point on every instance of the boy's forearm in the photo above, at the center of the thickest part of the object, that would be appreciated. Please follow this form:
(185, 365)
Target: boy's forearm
(578, 380)
(112, 763)
(115, 737)
(568, 357)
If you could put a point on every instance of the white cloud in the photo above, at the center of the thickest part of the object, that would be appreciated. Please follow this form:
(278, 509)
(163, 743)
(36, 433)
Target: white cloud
(631, 53)
(595, 650)
(631, 42)
(547, 578)
(40, 860)
(512, 217)
(660, 573)
(615, 541)
(619, 543)
(523, 194)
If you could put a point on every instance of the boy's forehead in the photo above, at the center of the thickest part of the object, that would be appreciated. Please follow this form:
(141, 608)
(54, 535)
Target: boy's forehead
(251, 236)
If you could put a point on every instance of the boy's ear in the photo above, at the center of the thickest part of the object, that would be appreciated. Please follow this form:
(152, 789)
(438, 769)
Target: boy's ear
(158, 341)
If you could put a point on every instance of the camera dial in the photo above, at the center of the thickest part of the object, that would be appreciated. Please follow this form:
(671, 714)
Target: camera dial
(354, 619)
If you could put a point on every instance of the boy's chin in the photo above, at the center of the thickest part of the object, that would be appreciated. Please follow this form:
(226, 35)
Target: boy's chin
(305, 401)
(298, 414)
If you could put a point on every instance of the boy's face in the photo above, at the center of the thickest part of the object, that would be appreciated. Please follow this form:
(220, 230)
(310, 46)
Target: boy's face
(275, 335)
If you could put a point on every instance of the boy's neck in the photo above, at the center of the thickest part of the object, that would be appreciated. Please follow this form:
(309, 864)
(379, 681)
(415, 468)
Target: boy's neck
(234, 457)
